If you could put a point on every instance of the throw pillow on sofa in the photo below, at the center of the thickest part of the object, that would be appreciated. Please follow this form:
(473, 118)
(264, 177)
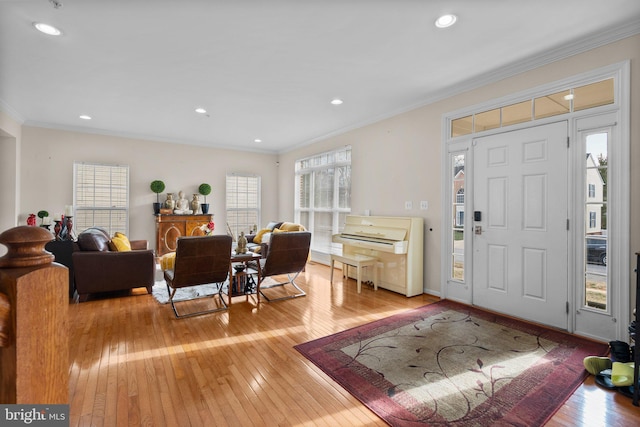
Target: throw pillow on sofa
(260, 234)
(290, 226)
(120, 243)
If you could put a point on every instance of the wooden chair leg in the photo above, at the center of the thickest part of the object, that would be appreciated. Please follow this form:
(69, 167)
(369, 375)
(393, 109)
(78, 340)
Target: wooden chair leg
(333, 262)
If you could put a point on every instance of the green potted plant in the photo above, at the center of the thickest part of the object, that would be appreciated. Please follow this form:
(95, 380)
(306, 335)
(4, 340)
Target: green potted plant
(157, 187)
(205, 190)
(42, 215)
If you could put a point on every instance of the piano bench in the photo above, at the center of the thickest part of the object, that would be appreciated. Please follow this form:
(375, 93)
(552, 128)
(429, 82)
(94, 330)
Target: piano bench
(358, 261)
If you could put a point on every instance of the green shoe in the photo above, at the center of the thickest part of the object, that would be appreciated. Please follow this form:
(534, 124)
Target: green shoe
(622, 374)
(594, 364)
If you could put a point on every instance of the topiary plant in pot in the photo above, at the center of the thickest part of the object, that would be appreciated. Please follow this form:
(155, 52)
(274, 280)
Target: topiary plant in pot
(157, 187)
(42, 215)
(205, 190)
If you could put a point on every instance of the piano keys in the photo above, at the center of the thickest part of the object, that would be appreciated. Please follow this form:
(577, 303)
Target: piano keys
(397, 242)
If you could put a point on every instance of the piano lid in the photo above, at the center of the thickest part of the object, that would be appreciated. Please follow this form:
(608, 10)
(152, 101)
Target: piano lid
(387, 234)
(373, 233)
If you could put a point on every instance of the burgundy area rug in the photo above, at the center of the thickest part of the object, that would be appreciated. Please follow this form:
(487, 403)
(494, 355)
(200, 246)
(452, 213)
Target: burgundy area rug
(448, 364)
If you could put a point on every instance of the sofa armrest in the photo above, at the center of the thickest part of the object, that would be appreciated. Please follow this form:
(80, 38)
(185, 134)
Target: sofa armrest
(139, 245)
(110, 271)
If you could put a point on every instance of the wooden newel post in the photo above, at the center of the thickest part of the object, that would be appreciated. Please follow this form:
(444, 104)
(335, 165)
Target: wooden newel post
(34, 337)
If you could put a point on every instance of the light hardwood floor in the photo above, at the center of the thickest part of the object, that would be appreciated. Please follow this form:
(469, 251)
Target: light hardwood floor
(133, 363)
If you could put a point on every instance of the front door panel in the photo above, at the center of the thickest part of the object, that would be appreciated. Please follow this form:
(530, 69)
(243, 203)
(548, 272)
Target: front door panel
(520, 250)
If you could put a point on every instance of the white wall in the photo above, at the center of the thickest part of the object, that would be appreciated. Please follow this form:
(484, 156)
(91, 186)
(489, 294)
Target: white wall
(10, 135)
(47, 182)
(398, 159)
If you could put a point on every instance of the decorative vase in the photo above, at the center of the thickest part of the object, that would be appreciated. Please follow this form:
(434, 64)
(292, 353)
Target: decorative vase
(57, 228)
(70, 235)
(156, 208)
(241, 248)
(205, 208)
(195, 204)
(170, 203)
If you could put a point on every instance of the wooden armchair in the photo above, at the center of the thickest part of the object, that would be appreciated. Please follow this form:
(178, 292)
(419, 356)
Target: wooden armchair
(199, 261)
(288, 254)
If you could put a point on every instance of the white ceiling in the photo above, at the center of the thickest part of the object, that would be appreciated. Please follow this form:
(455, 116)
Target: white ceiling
(268, 69)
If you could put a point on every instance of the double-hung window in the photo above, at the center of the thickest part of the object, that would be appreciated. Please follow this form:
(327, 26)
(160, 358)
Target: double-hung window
(101, 197)
(243, 203)
(323, 195)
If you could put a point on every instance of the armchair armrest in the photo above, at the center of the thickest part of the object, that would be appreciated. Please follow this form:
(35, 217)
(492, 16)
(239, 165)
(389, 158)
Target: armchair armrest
(264, 249)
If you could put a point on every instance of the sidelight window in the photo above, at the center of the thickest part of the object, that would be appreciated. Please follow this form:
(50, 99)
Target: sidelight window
(596, 289)
(457, 224)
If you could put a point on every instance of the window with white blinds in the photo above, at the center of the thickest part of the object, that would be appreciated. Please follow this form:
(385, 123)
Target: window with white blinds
(101, 197)
(323, 195)
(243, 203)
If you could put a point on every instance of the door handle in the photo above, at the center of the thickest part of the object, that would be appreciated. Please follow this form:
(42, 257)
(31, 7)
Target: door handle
(478, 229)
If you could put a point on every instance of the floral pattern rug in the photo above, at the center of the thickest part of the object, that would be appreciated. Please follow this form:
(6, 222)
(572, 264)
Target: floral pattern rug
(448, 364)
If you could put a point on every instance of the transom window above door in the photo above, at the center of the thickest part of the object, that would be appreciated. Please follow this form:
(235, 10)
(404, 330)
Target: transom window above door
(566, 101)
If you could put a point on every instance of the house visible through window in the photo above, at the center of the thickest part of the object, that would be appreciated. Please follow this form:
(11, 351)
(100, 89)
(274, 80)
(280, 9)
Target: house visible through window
(323, 195)
(457, 229)
(596, 280)
(101, 197)
(243, 203)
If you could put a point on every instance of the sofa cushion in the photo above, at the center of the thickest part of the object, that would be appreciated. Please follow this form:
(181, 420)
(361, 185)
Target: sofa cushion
(93, 239)
(267, 236)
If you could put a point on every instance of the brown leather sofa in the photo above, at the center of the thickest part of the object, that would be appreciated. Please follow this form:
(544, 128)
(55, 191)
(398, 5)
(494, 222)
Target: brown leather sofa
(98, 269)
(259, 243)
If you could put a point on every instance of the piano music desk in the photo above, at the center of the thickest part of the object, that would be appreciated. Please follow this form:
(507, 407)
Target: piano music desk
(358, 261)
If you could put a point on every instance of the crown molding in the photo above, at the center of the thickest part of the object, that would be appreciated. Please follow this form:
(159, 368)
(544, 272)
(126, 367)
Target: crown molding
(130, 135)
(13, 114)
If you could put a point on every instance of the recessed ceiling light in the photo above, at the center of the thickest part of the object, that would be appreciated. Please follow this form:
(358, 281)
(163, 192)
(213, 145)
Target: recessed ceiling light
(446, 21)
(336, 101)
(85, 117)
(257, 140)
(568, 97)
(201, 111)
(47, 29)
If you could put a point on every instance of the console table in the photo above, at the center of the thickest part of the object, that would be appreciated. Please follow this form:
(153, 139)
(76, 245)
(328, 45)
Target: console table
(170, 227)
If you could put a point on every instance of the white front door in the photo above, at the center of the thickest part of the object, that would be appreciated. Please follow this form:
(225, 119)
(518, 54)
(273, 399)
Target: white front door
(520, 244)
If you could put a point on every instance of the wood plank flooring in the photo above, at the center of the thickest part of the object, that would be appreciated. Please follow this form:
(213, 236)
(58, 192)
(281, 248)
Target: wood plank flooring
(133, 364)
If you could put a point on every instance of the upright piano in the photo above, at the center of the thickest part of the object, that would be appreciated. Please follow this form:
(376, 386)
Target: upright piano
(397, 243)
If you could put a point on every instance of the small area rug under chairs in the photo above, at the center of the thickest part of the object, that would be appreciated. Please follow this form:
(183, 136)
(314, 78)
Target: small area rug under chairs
(183, 294)
(448, 364)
